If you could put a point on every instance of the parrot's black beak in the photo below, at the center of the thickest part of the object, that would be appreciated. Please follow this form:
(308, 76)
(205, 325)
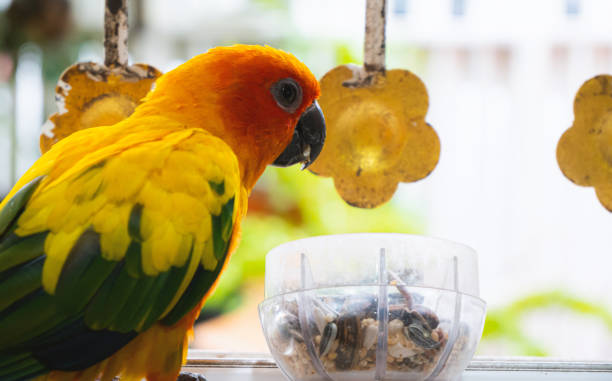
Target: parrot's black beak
(308, 139)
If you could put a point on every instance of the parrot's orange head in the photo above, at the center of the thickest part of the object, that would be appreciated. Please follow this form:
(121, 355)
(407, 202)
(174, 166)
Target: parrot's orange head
(259, 100)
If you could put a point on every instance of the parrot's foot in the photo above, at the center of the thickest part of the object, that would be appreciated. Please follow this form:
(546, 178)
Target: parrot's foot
(187, 376)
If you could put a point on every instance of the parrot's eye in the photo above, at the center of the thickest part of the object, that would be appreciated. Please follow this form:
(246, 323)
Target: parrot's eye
(288, 94)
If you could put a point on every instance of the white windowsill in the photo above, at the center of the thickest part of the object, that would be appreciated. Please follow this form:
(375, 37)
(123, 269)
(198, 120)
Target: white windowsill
(261, 367)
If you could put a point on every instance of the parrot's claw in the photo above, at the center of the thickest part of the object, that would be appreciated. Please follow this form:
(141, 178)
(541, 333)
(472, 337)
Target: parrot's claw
(188, 376)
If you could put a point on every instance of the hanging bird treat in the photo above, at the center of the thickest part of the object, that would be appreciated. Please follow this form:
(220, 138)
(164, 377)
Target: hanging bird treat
(584, 151)
(89, 94)
(377, 135)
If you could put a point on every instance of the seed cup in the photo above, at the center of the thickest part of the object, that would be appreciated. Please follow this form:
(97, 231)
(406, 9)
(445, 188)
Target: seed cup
(372, 307)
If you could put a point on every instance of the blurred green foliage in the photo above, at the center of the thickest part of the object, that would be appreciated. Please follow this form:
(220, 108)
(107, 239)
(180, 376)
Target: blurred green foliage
(269, 5)
(505, 323)
(344, 55)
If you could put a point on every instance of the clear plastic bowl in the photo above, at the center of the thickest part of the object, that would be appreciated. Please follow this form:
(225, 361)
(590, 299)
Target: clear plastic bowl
(372, 307)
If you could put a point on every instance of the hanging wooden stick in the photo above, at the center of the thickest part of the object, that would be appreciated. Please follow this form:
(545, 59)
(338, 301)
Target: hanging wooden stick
(374, 45)
(115, 33)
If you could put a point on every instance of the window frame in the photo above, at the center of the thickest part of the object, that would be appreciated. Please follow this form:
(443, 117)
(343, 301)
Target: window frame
(256, 366)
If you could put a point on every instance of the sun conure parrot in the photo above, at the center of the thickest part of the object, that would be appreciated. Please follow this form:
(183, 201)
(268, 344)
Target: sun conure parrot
(111, 242)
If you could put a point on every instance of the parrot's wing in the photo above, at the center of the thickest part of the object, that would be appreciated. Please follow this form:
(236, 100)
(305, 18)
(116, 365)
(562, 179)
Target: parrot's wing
(91, 257)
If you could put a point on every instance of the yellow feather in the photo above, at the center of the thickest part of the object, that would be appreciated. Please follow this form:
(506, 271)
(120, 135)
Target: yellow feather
(146, 249)
(184, 251)
(78, 215)
(90, 146)
(57, 214)
(187, 212)
(204, 231)
(114, 244)
(149, 220)
(57, 248)
(116, 188)
(147, 156)
(92, 372)
(209, 262)
(154, 197)
(33, 220)
(112, 367)
(85, 186)
(193, 266)
(106, 220)
(165, 248)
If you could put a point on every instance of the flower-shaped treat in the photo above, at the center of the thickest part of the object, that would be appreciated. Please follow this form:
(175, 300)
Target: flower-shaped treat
(377, 135)
(89, 95)
(376, 130)
(584, 152)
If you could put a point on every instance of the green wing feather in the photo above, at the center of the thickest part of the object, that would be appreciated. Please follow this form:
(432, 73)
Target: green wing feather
(101, 299)
(15, 206)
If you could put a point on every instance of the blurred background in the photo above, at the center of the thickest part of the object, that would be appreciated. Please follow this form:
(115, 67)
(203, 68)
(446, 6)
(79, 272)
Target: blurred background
(501, 76)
